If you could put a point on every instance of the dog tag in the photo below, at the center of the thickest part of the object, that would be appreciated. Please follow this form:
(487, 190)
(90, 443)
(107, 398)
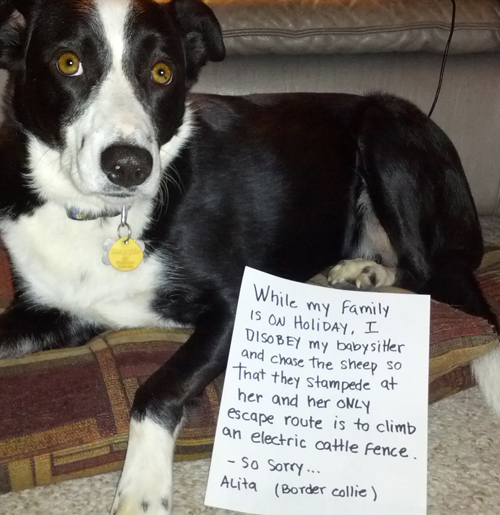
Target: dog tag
(124, 254)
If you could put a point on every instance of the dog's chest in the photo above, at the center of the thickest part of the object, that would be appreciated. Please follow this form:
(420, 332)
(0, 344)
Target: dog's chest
(60, 261)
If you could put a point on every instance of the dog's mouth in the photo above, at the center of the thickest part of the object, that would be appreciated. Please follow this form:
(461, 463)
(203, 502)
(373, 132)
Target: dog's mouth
(113, 196)
(115, 199)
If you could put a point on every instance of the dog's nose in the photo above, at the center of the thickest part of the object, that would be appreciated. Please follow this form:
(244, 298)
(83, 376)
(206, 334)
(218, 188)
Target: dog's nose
(126, 165)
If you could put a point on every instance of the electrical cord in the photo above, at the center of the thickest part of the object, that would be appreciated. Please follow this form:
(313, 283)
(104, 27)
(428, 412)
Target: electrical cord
(445, 57)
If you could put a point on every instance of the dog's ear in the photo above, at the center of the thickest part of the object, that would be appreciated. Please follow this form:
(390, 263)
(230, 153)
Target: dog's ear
(13, 17)
(202, 35)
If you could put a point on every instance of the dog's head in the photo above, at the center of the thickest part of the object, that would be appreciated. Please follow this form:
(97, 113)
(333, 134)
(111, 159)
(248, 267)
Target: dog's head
(102, 85)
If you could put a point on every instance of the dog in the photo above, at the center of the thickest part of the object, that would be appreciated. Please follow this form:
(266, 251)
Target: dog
(104, 146)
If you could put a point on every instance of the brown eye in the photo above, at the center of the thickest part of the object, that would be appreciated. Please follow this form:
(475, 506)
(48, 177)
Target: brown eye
(161, 73)
(69, 64)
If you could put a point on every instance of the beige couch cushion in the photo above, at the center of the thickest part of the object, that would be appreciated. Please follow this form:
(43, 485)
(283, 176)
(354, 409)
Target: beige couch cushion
(356, 26)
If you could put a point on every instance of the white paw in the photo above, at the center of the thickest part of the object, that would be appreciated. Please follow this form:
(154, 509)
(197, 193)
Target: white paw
(129, 506)
(362, 273)
(145, 486)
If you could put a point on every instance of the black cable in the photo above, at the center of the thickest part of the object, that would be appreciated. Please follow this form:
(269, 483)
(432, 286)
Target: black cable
(445, 57)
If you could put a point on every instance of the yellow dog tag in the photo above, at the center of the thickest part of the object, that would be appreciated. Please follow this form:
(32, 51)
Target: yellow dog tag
(124, 254)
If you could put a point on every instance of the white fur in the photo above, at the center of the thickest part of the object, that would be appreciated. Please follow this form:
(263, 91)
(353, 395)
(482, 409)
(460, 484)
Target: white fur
(486, 370)
(61, 261)
(146, 479)
(373, 239)
(360, 272)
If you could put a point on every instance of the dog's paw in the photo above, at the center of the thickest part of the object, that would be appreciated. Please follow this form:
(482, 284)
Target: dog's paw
(143, 494)
(127, 504)
(361, 273)
(145, 486)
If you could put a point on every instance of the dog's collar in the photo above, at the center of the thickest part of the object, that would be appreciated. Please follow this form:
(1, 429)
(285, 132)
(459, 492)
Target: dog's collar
(77, 214)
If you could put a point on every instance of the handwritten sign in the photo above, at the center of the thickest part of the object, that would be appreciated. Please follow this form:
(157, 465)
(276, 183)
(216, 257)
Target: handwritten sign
(324, 408)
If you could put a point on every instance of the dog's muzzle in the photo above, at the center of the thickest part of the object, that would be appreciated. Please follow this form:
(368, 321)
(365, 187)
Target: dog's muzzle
(126, 165)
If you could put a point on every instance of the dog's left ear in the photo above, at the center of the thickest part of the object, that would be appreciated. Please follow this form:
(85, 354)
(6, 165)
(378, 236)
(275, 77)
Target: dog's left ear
(202, 33)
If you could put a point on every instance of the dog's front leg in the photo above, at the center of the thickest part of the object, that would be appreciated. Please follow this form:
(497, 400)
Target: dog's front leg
(25, 329)
(145, 485)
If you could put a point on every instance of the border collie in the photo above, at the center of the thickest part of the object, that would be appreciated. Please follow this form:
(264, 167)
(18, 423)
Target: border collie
(127, 201)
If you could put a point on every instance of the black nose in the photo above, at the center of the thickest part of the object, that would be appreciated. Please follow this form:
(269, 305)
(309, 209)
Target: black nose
(126, 165)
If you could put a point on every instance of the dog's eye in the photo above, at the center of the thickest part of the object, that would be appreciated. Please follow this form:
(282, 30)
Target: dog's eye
(161, 73)
(69, 64)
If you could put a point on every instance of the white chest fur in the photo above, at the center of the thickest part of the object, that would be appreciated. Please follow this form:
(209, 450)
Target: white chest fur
(61, 261)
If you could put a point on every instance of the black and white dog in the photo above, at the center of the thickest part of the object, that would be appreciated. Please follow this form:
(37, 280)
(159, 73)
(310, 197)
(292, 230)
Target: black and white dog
(102, 136)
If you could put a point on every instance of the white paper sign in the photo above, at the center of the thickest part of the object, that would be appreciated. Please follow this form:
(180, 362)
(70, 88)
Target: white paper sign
(324, 408)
